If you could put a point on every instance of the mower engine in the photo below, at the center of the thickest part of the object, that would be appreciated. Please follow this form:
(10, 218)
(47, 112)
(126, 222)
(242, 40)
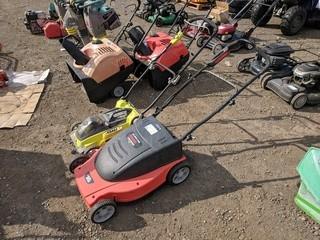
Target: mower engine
(279, 55)
(307, 75)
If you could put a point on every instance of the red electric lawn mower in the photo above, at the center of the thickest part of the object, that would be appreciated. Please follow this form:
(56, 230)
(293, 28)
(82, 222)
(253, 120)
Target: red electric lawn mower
(138, 160)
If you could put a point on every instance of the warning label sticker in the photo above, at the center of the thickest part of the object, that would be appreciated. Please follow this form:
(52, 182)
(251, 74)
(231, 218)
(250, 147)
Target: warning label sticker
(151, 129)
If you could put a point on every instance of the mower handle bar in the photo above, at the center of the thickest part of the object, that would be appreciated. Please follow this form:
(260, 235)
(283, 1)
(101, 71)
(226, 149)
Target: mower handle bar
(188, 136)
(178, 75)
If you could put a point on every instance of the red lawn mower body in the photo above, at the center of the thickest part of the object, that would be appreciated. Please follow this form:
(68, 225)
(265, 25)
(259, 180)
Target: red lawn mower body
(93, 188)
(227, 28)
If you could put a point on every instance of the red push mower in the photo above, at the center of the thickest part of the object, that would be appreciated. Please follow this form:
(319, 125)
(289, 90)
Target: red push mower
(137, 161)
(227, 32)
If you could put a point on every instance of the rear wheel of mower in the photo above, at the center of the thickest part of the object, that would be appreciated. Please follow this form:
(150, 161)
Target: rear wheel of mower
(179, 173)
(118, 91)
(201, 40)
(77, 161)
(299, 100)
(257, 12)
(293, 20)
(103, 211)
(217, 48)
(74, 126)
(264, 82)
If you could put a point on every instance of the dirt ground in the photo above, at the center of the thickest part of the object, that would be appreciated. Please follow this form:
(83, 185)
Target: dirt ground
(244, 160)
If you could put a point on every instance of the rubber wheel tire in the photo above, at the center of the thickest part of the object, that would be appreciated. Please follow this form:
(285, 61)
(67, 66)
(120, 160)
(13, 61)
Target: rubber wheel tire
(118, 91)
(243, 65)
(99, 206)
(159, 23)
(200, 41)
(74, 126)
(297, 100)
(258, 11)
(217, 48)
(171, 177)
(183, 16)
(293, 20)
(77, 161)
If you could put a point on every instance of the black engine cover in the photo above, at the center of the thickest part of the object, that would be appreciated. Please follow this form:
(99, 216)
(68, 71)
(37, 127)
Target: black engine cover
(142, 148)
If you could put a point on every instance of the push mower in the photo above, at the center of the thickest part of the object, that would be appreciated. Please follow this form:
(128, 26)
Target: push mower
(136, 162)
(168, 14)
(95, 131)
(299, 89)
(294, 13)
(227, 32)
(296, 83)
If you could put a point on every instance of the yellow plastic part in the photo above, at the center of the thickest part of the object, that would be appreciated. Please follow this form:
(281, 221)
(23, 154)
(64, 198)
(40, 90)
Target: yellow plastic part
(176, 38)
(97, 140)
(71, 31)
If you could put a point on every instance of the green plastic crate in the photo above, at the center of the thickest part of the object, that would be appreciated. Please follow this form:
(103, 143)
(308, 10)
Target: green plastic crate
(309, 171)
(307, 203)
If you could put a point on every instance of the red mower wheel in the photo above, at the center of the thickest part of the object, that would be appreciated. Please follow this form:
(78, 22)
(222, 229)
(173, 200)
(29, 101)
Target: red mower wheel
(103, 211)
(77, 161)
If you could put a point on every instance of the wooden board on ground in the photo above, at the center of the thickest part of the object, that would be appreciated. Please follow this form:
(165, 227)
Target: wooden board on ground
(17, 104)
(197, 6)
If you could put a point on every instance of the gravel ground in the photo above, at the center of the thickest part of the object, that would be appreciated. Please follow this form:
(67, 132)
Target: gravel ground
(244, 160)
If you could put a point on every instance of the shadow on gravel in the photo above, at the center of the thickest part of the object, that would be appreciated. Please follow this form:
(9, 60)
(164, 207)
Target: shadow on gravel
(28, 180)
(205, 182)
(205, 85)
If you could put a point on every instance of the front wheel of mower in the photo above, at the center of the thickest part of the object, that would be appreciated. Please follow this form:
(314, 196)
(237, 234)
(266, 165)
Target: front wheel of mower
(293, 20)
(258, 11)
(179, 173)
(77, 161)
(74, 126)
(264, 81)
(201, 40)
(299, 100)
(244, 65)
(217, 48)
(103, 211)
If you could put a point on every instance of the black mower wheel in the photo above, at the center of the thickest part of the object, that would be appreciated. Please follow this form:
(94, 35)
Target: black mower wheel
(179, 173)
(183, 16)
(158, 84)
(74, 126)
(118, 91)
(293, 20)
(103, 211)
(264, 82)
(257, 12)
(243, 65)
(78, 161)
(299, 100)
(201, 41)
(217, 48)
(159, 22)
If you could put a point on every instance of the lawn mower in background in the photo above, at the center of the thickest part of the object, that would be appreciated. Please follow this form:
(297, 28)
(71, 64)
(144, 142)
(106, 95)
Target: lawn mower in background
(147, 9)
(168, 14)
(136, 162)
(294, 14)
(227, 32)
(95, 131)
(295, 82)
(299, 89)
(39, 22)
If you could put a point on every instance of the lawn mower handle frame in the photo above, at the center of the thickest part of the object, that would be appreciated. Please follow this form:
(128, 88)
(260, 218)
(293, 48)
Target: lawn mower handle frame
(217, 58)
(188, 136)
(118, 37)
(176, 79)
